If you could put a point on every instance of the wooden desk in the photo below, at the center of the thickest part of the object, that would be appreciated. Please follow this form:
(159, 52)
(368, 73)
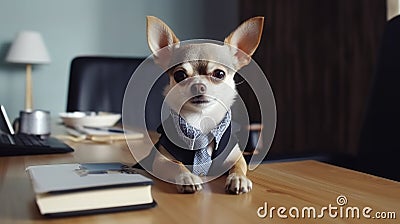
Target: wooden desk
(293, 184)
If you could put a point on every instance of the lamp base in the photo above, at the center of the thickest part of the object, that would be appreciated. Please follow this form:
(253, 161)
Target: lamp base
(28, 88)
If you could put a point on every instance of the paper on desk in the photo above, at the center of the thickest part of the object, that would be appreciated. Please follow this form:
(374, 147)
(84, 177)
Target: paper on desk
(102, 135)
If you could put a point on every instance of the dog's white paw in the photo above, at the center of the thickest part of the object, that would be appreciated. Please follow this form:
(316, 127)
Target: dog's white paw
(188, 183)
(238, 184)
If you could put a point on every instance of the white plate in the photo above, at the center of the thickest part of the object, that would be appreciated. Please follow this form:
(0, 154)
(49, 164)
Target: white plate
(89, 119)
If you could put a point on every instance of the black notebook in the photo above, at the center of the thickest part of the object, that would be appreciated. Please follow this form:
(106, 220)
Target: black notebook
(12, 144)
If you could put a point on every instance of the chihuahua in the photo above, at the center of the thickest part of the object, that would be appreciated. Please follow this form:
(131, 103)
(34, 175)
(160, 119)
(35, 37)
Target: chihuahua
(197, 138)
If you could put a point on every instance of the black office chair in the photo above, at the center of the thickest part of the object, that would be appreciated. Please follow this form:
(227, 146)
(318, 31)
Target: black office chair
(380, 134)
(98, 84)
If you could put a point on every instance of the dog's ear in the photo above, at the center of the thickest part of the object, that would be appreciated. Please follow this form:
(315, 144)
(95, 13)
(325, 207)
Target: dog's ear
(159, 35)
(246, 38)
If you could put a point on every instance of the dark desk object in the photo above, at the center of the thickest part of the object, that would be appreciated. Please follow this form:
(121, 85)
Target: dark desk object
(379, 142)
(13, 144)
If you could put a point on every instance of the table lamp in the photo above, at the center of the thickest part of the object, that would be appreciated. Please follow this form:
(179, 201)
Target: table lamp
(28, 48)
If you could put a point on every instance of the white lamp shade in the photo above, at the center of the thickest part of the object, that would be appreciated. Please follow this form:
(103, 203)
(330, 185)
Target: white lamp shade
(28, 48)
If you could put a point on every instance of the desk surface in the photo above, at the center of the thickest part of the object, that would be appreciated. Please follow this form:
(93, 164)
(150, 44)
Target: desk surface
(294, 186)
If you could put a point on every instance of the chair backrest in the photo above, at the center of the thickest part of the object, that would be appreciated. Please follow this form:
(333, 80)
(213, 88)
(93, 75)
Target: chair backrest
(98, 83)
(379, 142)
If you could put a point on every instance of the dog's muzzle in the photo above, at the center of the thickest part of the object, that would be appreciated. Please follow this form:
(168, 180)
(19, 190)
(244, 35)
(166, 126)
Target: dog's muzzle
(198, 91)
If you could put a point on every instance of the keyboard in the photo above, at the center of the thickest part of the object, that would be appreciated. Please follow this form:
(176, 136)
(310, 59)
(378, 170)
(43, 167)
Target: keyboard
(22, 144)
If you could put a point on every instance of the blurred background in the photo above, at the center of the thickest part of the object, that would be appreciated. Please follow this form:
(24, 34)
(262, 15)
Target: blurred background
(94, 27)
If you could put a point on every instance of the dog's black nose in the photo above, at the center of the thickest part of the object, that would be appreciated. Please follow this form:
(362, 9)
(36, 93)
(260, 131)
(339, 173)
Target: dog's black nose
(198, 89)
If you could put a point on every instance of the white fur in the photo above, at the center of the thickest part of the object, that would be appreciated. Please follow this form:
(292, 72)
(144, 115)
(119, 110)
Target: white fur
(221, 95)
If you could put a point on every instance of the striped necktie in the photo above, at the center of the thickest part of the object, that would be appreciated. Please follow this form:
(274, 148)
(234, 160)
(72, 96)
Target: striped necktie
(198, 141)
(202, 160)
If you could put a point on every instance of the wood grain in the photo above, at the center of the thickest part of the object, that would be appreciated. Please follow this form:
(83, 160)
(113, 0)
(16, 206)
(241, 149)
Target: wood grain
(303, 183)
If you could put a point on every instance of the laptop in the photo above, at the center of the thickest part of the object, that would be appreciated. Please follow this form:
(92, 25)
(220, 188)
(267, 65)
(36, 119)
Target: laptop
(13, 144)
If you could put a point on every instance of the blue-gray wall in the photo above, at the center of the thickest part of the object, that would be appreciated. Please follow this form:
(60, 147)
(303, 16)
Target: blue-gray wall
(94, 27)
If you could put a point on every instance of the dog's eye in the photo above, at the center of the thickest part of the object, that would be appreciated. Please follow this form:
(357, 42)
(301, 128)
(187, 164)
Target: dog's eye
(218, 74)
(179, 76)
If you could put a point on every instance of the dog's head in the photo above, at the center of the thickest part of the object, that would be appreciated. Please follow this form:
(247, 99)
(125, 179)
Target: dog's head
(201, 74)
